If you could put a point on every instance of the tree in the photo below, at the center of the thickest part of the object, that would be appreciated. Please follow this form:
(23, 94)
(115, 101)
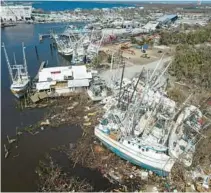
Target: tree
(192, 65)
(133, 40)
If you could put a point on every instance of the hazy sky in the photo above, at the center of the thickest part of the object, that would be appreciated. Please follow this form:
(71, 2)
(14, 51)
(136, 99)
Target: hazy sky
(114, 0)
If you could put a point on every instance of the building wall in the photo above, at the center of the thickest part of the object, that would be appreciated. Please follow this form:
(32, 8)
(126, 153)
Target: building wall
(14, 13)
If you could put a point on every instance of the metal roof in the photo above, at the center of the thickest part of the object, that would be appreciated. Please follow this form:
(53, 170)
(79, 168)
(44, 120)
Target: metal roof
(78, 83)
(166, 18)
(59, 73)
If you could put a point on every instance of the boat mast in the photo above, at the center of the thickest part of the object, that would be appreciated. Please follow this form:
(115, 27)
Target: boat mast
(158, 64)
(24, 60)
(111, 69)
(8, 63)
(14, 59)
(134, 89)
(159, 78)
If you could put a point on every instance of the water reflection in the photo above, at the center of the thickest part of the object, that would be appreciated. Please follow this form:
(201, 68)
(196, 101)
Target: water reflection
(20, 35)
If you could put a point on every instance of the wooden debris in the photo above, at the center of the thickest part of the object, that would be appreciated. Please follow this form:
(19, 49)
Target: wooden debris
(10, 141)
(6, 151)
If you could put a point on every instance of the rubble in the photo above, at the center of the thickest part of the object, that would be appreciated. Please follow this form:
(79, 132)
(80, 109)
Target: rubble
(10, 140)
(52, 178)
(6, 151)
(45, 123)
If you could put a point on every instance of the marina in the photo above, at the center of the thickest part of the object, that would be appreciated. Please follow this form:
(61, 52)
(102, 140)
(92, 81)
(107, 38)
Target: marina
(106, 94)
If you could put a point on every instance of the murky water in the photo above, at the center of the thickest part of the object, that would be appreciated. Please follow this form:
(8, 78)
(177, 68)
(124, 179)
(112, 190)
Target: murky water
(17, 172)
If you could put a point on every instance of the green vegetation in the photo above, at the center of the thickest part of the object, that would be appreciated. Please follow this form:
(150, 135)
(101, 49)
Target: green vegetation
(143, 41)
(192, 65)
(197, 36)
(96, 61)
(133, 40)
(109, 59)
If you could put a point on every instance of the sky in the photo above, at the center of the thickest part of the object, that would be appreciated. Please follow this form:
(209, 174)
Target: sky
(118, 0)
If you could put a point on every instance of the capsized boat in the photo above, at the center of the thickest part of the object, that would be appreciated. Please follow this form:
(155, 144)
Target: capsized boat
(18, 74)
(185, 134)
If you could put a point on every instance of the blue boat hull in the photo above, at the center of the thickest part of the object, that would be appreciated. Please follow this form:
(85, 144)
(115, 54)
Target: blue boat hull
(133, 161)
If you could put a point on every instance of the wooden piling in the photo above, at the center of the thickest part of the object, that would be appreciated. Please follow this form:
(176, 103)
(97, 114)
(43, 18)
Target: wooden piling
(51, 48)
(36, 52)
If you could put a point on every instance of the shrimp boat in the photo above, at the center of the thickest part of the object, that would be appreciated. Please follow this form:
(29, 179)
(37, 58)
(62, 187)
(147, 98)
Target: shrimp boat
(140, 134)
(146, 149)
(138, 128)
(64, 45)
(145, 127)
(18, 74)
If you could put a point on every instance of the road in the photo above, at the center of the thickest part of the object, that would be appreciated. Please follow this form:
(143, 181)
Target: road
(131, 71)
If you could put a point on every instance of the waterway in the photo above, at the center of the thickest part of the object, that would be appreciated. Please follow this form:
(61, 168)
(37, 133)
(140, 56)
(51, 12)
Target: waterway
(18, 170)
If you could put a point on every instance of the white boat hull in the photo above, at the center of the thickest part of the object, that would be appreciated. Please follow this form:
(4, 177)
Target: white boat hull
(20, 90)
(94, 98)
(145, 160)
(66, 53)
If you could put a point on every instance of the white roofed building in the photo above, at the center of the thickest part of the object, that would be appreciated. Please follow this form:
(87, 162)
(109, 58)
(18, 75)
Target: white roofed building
(15, 12)
(64, 79)
(151, 26)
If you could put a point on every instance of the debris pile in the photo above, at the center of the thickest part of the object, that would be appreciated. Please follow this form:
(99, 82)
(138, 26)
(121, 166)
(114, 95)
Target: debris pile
(69, 110)
(52, 179)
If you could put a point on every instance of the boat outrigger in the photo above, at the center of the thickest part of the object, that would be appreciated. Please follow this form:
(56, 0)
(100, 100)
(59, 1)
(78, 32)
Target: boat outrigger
(18, 74)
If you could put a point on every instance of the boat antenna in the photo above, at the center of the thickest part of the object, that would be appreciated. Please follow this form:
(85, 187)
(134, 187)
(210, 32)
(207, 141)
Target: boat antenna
(14, 58)
(24, 59)
(8, 63)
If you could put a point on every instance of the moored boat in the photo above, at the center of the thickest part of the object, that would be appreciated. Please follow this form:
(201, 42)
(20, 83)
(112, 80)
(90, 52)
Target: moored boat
(18, 74)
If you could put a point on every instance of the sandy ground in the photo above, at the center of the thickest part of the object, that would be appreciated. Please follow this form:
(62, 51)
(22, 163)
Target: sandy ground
(136, 58)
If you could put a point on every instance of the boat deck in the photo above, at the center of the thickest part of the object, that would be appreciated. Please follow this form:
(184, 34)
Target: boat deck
(114, 135)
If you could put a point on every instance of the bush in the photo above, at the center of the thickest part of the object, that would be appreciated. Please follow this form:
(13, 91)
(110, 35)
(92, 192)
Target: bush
(193, 65)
